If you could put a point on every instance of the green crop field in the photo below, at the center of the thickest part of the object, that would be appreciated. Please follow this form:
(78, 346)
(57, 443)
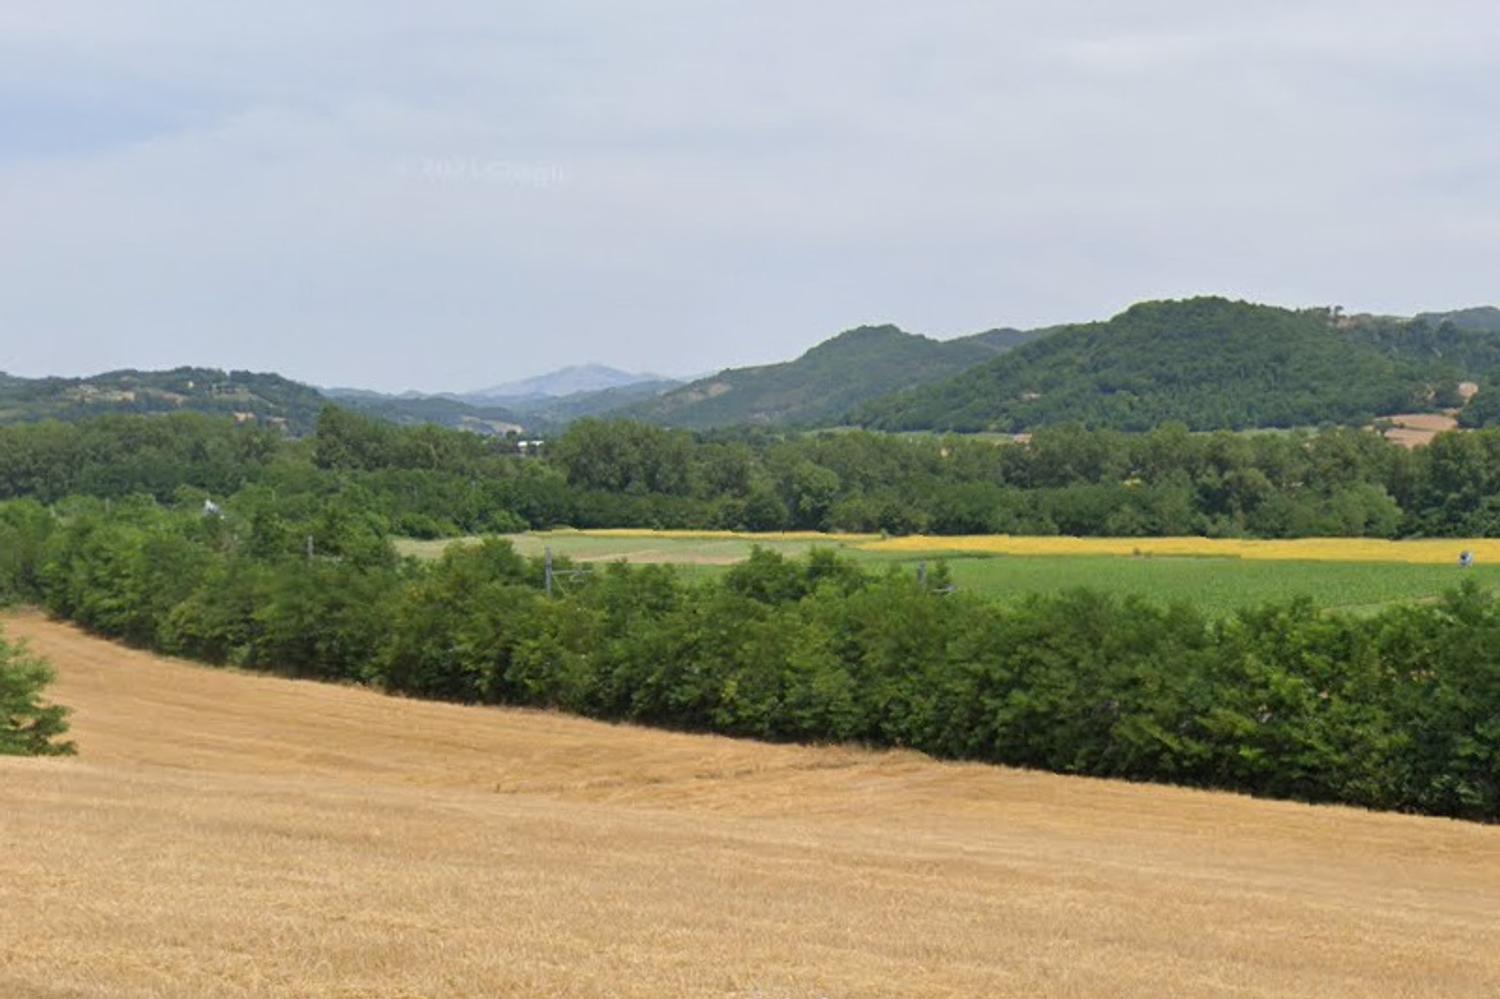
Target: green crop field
(1216, 584)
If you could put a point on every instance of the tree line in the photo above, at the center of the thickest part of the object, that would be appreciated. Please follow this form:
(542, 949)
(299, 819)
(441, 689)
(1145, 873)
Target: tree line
(432, 482)
(1390, 711)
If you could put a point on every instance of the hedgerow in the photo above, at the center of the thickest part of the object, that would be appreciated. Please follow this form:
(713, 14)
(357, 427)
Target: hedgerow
(1398, 710)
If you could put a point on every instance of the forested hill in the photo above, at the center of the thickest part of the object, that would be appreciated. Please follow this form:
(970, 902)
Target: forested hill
(824, 385)
(274, 401)
(416, 410)
(1482, 319)
(1209, 363)
(538, 414)
(268, 399)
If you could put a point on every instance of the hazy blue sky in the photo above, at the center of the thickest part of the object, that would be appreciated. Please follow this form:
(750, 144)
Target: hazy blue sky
(451, 194)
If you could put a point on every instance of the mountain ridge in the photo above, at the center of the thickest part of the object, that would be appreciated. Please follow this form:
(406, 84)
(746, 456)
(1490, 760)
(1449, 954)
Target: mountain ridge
(1208, 362)
(825, 383)
(565, 381)
(247, 396)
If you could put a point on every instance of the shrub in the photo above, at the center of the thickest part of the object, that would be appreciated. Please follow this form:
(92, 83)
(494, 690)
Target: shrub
(28, 727)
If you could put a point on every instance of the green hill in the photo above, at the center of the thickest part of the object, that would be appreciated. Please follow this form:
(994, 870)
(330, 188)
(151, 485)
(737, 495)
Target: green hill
(826, 384)
(413, 410)
(1482, 319)
(274, 401)
(550, 413)
(534, 415)
(267, 399)
(1462, 341)
(1207, 362)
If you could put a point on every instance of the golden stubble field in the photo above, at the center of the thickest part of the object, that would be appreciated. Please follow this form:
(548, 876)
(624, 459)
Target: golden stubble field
(223, 834)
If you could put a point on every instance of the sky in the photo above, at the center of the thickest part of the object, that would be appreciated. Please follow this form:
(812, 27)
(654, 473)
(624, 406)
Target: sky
(446, 195)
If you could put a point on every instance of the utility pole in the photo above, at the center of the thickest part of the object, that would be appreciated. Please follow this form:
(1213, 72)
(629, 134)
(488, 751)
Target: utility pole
(922, 574)
(548, 574)
(309, 548)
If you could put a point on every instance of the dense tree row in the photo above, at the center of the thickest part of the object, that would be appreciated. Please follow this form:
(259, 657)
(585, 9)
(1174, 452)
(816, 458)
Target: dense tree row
(1394, 711)
(1066, 480)
(431, 482)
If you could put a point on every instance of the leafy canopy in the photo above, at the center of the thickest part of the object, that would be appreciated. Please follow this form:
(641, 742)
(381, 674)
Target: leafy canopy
(28, 726)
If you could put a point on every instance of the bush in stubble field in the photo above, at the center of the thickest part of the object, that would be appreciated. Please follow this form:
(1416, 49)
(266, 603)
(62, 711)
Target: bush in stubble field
(28, 727)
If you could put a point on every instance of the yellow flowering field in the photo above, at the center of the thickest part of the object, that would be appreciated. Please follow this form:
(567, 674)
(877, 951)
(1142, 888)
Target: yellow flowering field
(1219, 576)
(676, 546)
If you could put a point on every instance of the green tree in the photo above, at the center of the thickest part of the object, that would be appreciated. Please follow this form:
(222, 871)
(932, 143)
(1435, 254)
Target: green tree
(28, 726)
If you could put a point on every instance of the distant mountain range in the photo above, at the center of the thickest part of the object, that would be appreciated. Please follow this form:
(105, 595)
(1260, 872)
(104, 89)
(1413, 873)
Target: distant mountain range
(574, 380)
(551, 412)
(1207, 362)
(540, 406)
(411, 409)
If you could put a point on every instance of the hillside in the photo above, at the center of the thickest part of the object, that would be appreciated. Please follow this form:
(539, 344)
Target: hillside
(1207, 362)
(533, 414)
(1462, 342)
(247, 396)
(1480, 319)
(550, 413)
(412, 410)
(235, 835)
(824, 385)
(267, 399)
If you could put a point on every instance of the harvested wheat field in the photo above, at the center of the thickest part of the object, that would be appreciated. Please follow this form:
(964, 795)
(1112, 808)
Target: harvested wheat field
(224, 834)
(1412, 430)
